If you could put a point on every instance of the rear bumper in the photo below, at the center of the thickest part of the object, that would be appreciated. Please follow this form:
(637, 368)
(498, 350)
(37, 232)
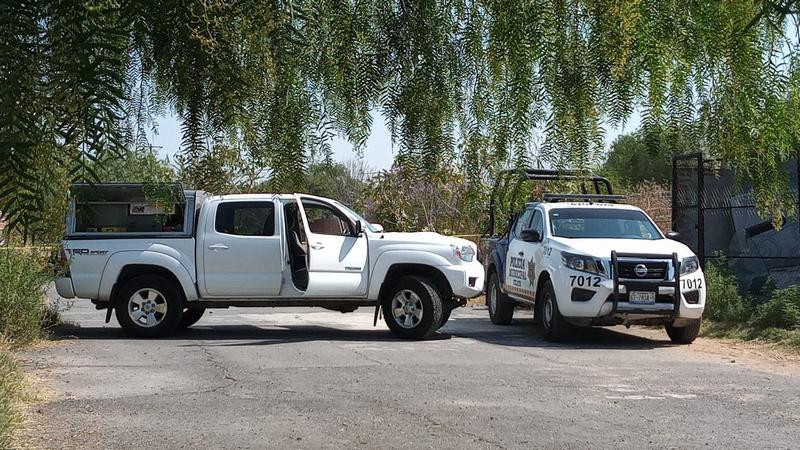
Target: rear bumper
(466, 280)
(64, 287)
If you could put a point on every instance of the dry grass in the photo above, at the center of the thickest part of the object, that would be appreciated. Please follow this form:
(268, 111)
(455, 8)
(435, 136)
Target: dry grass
(655, 199)
(24, 318)
(12, 388)
(477, 301)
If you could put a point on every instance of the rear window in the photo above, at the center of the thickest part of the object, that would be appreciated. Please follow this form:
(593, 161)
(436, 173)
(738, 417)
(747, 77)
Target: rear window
(128, 218)
(600, 223)
(128, 208)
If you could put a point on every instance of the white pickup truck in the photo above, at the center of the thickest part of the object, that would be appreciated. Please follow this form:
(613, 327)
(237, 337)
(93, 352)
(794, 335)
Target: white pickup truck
(160, 265)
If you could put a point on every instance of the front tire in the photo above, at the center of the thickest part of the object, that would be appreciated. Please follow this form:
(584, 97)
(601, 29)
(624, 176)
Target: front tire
(683, 335)
(501, 308)
(413, 309)
(554, 327)
(148, 306)
(190, 317)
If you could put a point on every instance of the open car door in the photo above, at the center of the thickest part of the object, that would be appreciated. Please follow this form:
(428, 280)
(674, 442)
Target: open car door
(337, 250)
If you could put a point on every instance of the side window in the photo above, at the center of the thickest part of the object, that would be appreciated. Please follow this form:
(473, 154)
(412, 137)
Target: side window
(537, 223)
(324, 220)
(246, 218)
(522, 222)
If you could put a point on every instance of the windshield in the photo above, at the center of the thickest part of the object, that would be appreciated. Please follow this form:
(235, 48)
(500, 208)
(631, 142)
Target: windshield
(602, 223)
(357, 216)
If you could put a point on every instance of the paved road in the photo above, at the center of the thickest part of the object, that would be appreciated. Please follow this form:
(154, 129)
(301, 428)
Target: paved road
(306, 378)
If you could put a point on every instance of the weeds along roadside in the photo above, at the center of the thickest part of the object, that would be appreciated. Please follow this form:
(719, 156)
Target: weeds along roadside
(12, 388)
(24, 318)
(773, 317)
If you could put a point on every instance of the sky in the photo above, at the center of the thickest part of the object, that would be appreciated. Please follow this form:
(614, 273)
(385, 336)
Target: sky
(378, 152)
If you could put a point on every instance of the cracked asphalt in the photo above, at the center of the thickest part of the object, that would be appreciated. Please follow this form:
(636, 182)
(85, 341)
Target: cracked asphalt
(310, 378)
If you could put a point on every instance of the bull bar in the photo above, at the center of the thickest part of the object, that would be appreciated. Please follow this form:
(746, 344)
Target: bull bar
(646, 284)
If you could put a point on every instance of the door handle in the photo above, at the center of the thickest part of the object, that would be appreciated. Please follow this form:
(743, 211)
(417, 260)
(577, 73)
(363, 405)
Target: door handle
(317, 246)
(521, 253)
(218, 247)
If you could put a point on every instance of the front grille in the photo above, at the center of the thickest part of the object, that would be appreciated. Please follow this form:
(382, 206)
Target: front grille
(656, 270)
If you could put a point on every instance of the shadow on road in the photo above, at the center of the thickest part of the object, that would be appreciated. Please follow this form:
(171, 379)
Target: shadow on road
(521, 333)
(525, 333)
(273, 334)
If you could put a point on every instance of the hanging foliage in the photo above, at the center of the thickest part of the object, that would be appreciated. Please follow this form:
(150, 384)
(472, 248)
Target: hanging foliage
(489, 83)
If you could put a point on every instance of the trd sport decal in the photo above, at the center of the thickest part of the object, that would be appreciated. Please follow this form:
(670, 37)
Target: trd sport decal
(85, 251)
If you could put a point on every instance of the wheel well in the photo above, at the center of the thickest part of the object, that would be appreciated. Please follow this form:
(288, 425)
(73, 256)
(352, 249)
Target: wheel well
(489, 271)
(134, 270)
(544, 276)
(429, 272)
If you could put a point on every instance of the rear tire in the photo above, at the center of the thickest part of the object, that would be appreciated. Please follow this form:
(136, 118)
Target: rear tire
(683, 335)
(413, 308)
(148, 306)
(190, 317)
(501, 308)
(445, 315)
(554, 327)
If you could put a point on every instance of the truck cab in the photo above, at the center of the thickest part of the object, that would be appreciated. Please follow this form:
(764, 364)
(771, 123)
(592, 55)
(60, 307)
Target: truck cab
(160, 264)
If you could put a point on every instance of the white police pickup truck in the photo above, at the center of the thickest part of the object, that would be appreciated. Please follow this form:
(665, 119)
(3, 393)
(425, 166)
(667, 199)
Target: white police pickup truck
(582, 260)
(160, 264)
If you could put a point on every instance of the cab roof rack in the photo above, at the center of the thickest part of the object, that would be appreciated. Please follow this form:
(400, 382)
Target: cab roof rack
(591, 198)
(566, 175)
(582, 177)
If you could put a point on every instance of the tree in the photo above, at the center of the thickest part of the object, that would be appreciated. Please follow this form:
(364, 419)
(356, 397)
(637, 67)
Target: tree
(135, 166)
(346, 182)
(440, 203)
(630, 162)
(479, 80)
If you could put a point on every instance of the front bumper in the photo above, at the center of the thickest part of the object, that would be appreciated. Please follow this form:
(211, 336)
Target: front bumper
(610, 296)
(466, 280)
(64, 287)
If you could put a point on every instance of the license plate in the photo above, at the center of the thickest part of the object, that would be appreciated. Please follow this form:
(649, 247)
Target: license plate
(642, 298)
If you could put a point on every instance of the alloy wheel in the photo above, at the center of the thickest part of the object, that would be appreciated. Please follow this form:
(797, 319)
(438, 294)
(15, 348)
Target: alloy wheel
(147, 307)
(407, 308)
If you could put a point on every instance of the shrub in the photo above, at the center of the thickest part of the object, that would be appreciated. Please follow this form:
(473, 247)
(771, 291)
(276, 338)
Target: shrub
(23, 276)
(781, 310)
(10, 391)
(724, 302)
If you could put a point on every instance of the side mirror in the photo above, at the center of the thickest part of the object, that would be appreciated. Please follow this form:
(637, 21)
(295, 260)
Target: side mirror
(530, 236)
(378, 227)
(358, 229)
(674, 235)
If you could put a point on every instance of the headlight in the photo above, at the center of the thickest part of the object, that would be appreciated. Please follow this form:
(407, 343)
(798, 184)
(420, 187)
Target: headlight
(464, 253)
(689, 265)
(582, 263)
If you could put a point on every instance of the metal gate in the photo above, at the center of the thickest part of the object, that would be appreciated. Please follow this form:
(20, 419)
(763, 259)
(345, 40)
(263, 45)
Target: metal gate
(717, 219)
